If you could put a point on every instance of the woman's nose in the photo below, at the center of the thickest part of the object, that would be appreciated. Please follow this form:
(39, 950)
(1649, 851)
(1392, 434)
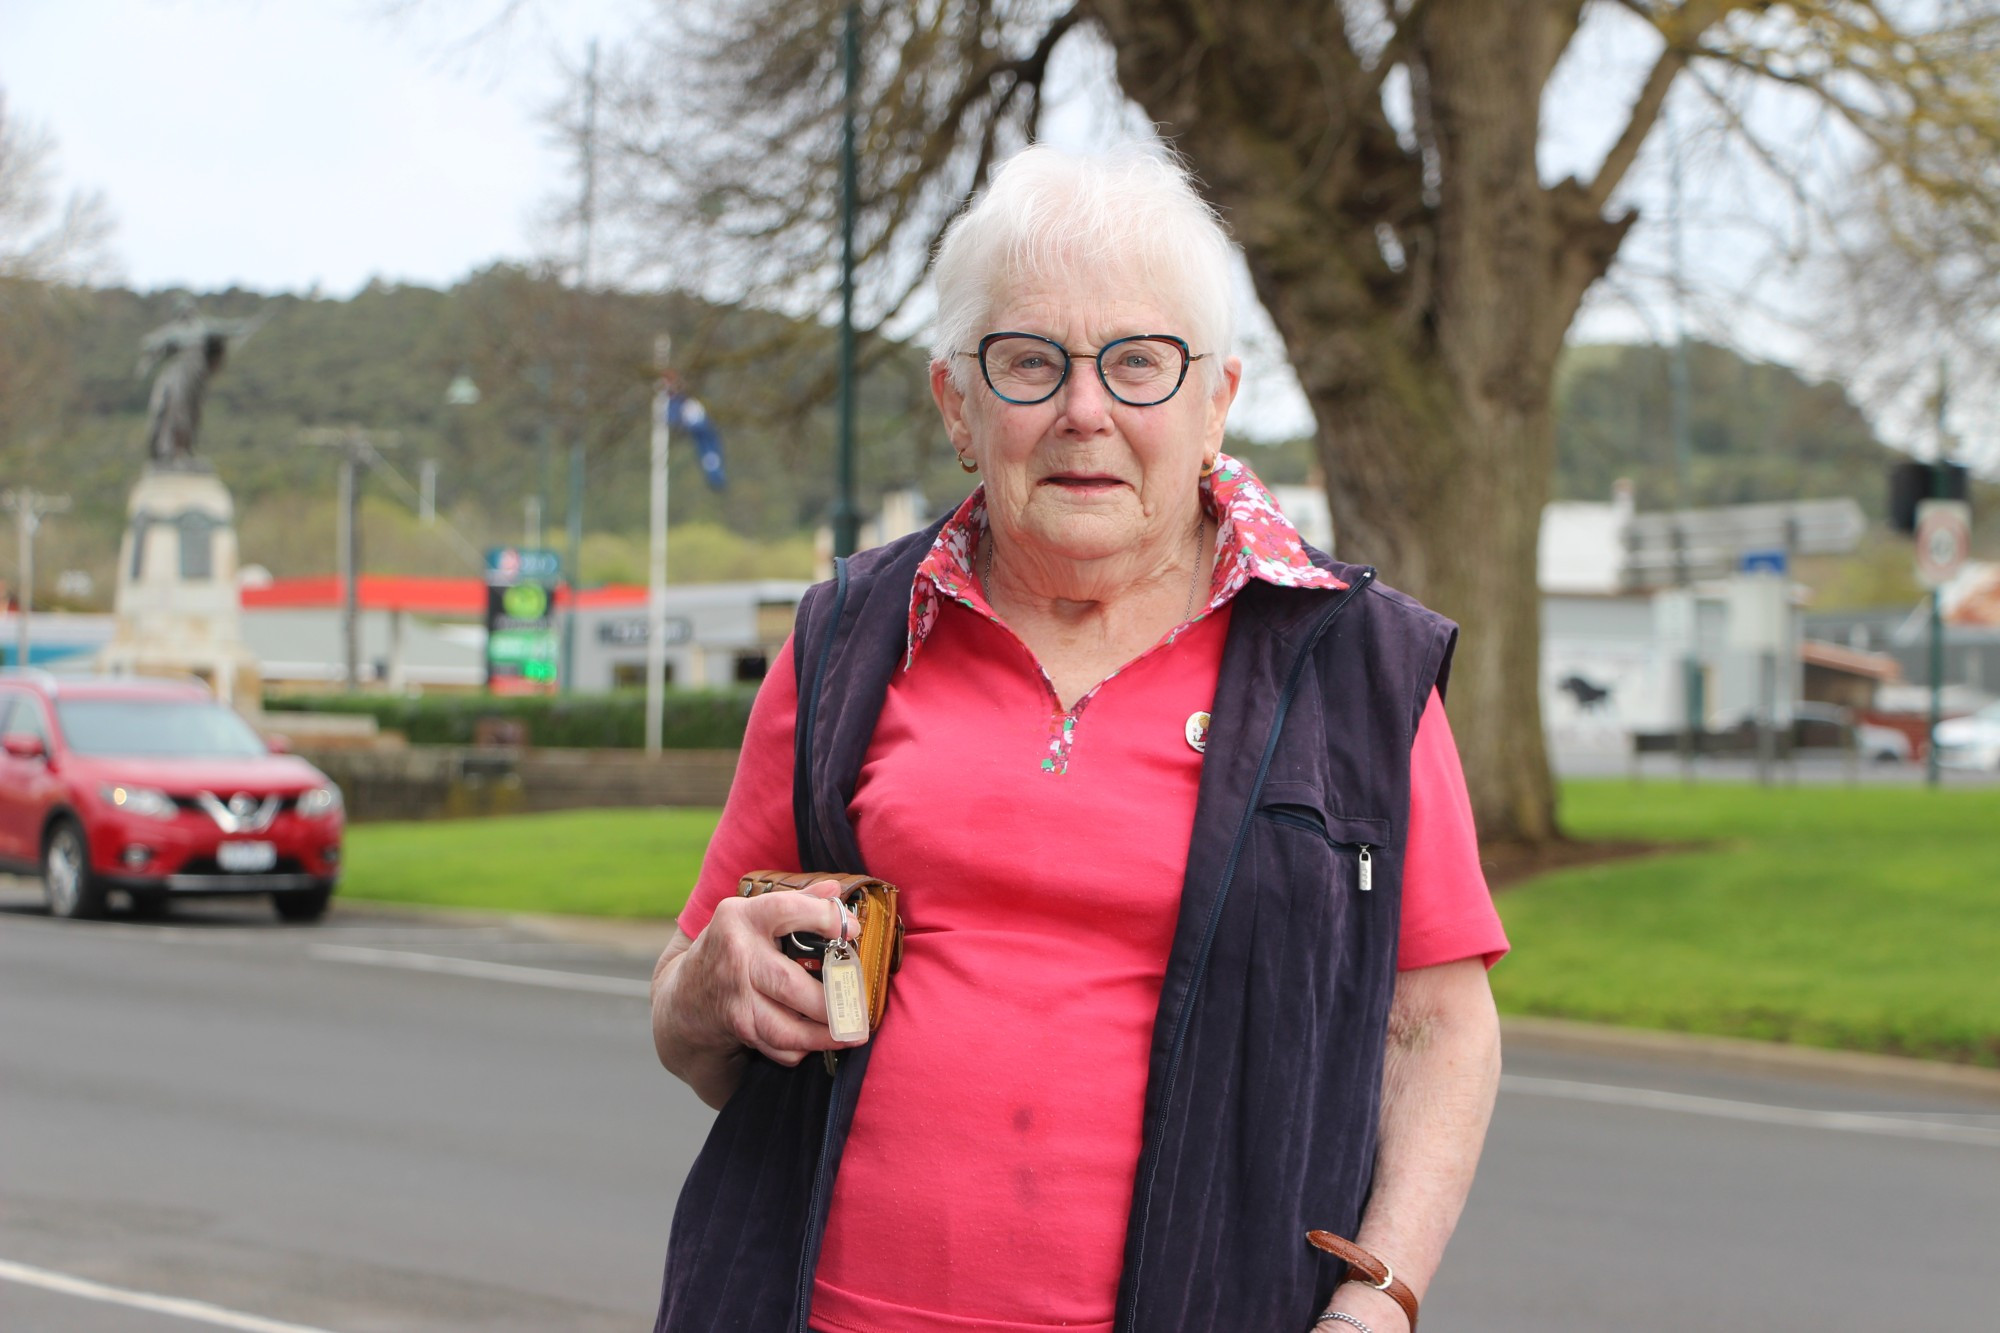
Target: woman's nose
(1085, 402)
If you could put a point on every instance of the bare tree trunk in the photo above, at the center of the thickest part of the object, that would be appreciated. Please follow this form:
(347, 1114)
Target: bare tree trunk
(1483, 485)
(1423, 298)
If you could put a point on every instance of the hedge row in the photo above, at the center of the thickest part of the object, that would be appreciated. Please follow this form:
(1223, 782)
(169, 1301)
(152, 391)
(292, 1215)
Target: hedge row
(693, 720)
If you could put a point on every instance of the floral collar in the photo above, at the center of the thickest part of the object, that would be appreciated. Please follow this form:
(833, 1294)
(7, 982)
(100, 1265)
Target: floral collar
(1253, 541)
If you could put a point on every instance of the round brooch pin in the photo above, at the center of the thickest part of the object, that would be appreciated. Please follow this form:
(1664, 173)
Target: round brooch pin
(1197, 732)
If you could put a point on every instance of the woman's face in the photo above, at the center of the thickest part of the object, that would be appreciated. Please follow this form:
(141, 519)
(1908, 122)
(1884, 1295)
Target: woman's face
(1084, 476)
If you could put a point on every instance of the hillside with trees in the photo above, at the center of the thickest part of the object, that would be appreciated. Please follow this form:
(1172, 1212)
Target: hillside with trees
(1756, 431)
(553, 367)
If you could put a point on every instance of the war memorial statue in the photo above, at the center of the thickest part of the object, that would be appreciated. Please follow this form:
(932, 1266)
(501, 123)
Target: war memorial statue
(184, 353)
(177, 609)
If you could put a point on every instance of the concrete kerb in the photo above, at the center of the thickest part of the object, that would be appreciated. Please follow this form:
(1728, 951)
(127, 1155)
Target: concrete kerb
(1767, 1057)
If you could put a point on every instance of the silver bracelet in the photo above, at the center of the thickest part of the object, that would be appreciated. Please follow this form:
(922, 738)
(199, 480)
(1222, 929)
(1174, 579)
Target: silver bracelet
(1344, 1318)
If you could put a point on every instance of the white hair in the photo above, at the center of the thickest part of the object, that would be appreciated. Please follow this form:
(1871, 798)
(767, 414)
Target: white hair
(1050, 214)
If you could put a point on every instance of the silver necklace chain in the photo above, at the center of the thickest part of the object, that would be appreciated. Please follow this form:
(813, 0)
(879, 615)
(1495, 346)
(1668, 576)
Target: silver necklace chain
(1194, 584)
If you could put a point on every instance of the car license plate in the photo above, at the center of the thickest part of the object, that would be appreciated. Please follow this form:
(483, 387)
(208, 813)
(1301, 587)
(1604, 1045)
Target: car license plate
(246, 857)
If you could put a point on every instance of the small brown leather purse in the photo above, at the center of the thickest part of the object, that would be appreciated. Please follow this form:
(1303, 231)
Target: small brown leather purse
(873, 902)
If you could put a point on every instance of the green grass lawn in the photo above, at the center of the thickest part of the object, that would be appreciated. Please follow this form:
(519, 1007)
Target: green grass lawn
(1858, 917)
(634, 863)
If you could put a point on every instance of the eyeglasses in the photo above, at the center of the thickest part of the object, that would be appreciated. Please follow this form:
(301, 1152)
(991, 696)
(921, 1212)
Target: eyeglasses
(1141, 371)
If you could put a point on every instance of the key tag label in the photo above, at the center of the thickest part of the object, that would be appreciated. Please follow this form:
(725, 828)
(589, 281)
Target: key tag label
(846, 992)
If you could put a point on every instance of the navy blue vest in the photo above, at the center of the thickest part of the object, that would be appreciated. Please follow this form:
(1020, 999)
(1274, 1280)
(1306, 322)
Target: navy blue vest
(1266, 1064)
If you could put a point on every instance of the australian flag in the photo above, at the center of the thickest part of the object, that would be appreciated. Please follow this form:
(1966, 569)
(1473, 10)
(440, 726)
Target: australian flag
(689, 416)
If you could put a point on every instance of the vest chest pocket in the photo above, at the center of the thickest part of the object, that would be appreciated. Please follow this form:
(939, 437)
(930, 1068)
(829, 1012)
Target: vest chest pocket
(1351, 841)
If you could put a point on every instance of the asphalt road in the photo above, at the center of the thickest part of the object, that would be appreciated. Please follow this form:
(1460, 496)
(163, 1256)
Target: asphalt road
(390, 1123)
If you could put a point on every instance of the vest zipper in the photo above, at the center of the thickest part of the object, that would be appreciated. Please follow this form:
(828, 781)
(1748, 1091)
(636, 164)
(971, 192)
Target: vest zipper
(1364, 852)
(1150, 1165)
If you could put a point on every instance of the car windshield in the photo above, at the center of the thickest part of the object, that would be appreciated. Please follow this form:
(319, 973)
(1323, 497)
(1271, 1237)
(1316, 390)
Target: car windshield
(156, 728)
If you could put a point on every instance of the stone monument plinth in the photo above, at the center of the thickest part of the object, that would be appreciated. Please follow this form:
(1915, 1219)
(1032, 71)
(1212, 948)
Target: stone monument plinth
(177, 610)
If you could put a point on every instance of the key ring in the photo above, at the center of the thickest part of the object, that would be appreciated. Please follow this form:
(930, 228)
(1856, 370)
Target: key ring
(803, 951)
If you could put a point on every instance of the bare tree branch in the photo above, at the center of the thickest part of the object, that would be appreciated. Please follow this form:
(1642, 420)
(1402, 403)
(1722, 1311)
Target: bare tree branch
(1639, 124)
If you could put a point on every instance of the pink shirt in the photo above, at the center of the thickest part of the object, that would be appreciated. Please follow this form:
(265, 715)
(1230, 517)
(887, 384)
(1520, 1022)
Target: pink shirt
(1040, 852)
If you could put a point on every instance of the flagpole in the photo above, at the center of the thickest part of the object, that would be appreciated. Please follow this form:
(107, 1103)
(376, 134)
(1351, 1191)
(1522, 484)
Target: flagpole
(656, 574)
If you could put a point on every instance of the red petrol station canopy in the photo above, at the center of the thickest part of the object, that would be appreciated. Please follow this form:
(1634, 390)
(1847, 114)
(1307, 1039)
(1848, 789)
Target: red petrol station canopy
(452, 598)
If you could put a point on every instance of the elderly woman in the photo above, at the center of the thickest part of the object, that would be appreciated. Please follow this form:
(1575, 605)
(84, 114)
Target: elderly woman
(1197, 934)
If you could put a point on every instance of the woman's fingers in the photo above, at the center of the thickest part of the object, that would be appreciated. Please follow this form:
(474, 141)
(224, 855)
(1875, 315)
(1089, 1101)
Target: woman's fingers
(783, 981)
(781, 1035)
(758, 996)
(813, 910)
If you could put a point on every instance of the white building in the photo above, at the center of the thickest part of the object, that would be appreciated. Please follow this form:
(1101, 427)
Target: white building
(1649, 618)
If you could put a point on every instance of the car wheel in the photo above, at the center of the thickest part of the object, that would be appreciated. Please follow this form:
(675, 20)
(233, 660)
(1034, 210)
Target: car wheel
(302, 904)
(72, 891)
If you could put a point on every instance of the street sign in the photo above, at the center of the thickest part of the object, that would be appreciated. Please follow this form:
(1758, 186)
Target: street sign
(1763, 562)
(523, 639)
(1663, 548)
(630, 631)
(1760, 613)
(522, 564)
(1944, 539)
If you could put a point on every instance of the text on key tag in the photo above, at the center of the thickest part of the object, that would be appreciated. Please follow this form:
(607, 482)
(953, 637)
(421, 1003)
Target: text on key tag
(846, 992)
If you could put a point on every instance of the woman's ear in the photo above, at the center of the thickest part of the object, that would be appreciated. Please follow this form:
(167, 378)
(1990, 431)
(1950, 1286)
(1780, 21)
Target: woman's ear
(951, 405)
(1219, 403)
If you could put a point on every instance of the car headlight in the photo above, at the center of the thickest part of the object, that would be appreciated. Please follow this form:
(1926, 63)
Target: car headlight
(320, 801)
(150, 802)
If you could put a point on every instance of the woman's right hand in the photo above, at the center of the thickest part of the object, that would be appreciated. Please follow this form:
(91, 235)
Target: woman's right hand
(732, 991)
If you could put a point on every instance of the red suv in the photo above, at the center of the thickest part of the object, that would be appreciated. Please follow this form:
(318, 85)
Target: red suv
(153, 788)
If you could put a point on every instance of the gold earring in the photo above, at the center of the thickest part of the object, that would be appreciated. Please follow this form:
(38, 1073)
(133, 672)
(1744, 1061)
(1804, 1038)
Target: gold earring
(1208, 467)
(967, 464)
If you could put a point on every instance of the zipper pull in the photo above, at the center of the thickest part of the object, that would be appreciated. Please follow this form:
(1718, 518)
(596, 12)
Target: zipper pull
(1367, 868)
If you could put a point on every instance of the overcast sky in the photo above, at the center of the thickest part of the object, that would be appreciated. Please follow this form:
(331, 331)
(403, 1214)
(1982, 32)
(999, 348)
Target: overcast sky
(282, 145)
(302, 144)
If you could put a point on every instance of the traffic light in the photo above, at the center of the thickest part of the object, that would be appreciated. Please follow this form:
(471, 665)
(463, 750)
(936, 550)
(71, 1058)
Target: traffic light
(1911, 482)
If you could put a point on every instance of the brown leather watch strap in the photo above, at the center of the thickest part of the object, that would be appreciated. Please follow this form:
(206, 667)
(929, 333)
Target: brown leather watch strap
(1365, 1267)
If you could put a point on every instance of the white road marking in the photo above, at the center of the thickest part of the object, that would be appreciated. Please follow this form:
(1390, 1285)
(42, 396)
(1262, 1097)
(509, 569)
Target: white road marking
(200, 1311)
(1846, 1122)
(473, 967)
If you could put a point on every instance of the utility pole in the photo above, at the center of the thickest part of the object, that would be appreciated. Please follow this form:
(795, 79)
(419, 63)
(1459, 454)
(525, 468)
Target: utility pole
(28, 505)
(656, 565)
(543, 380)
(1693, 705)
(1940, 489)
(587, 223)
(459, 395)
(358, 450)
(846, 520)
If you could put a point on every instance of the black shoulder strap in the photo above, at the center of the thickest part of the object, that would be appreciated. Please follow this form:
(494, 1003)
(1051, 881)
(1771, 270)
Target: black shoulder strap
(809, 661)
